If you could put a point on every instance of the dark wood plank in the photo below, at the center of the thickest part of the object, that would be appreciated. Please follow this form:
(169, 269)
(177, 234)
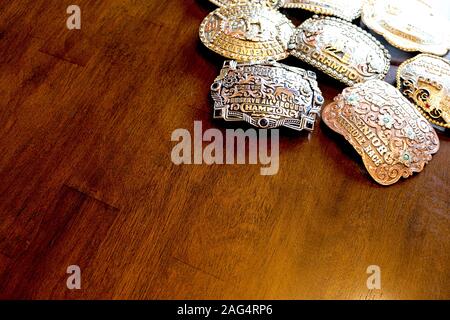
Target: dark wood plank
(70, 233)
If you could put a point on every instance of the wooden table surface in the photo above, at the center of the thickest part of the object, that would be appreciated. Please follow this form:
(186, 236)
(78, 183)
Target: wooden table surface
(86, 177)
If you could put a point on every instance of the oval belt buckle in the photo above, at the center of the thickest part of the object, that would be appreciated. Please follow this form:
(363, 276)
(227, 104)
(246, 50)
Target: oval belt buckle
(268, 3)
(247, 32)
(267, 95)
(341, 50)
(425, 80)
(345, 9)
(413, 25)
(392, 137)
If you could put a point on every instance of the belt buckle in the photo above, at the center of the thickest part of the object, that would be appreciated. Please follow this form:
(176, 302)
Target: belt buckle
(392, 137)
(247, 32)
(268, 3)
(425, 81)
(341, 50)
(344, 9)
(267, 95)
(413, 25)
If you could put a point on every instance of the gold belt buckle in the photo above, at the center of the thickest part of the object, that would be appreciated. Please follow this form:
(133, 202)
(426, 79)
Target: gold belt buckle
(425, 80)
(340, 49)
(392, 137)
(267, 95)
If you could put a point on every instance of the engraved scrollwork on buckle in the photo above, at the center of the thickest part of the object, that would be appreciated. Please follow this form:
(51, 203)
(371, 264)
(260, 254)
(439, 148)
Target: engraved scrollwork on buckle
(413, 25)
(392, 137)
(340, 49)
(267, 95)
(268, 3)
(425, 81)
(345, 9)
(247, 32)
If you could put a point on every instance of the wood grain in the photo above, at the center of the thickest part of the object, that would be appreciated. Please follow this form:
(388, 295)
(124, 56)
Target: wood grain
(86, 177)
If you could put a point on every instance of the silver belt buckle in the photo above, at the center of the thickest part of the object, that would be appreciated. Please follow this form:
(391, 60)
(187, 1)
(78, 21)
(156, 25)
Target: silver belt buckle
(267, 95)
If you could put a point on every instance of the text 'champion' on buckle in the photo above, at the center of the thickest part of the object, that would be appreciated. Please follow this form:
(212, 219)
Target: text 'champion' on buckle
(340, 49)
(267, 95)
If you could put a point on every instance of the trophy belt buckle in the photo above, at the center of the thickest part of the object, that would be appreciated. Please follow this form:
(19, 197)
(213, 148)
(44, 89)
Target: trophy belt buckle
(267, 95)
(268, 3)
(247, 32)
(340, 49)
(392, 137)
(344, 9)
(425, 81)
(413, 25)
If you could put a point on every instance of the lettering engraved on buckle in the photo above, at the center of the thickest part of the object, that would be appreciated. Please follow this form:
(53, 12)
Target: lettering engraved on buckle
(392, 137)
(341, 50)
(268, 3)
(425, 80)
(345, 9)
(413, 25)
(267, 95)
(247, 32)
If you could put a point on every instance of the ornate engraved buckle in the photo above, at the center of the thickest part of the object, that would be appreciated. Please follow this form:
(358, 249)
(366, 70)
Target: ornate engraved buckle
(341, 50)
(413, 25)
(425, 80)
(392, 137)
(268, 3)
(247, 32)
(345, 9)
(267, 95)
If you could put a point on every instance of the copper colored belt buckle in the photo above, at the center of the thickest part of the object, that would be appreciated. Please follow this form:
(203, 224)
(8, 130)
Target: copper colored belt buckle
(267, 95)
(392, 137)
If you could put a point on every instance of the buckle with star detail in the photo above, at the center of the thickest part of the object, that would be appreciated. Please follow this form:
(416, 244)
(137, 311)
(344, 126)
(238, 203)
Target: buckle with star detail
(392, 137)
(267, 95)
(340, 49)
